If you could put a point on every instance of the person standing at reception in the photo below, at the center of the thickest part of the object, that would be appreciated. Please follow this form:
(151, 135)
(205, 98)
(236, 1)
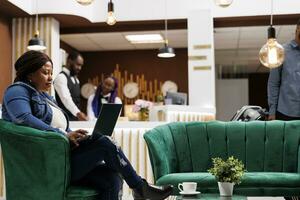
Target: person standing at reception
(67, 87)
(96, 162)
(106, 92)
(284, 83)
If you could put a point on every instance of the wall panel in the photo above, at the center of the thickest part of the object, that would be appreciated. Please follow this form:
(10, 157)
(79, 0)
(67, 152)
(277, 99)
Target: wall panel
(5, 54)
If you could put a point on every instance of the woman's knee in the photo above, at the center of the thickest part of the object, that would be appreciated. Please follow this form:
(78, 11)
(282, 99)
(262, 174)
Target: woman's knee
(105, 141)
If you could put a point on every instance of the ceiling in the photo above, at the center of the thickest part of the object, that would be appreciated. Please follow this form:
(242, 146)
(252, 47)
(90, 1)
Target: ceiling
(117, 41)
(236, 47)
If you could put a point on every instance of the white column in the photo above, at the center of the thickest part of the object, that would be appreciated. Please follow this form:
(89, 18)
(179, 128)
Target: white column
(201, 72)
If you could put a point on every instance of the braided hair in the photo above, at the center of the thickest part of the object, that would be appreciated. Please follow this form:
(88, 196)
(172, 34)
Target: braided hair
(28, 63)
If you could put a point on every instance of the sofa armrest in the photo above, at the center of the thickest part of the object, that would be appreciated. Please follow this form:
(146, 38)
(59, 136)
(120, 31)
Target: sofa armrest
(36, 163)
(298, 162)
(161, 151)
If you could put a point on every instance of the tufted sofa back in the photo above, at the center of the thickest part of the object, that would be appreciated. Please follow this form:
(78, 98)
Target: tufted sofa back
(271, 146)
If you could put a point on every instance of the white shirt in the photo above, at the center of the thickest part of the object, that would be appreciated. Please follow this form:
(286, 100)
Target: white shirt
(90, 112)
(58, 120)
(61, 87)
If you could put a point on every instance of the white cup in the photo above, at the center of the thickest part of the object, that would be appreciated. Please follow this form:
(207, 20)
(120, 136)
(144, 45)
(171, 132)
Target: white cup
(187, 187)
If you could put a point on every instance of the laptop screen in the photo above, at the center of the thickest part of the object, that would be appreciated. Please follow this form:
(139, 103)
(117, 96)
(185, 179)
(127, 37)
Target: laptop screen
(107, 119)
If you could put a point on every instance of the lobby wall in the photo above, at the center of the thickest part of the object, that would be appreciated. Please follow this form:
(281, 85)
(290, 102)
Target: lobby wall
(234, 91)
(138, 62)
(5, 54)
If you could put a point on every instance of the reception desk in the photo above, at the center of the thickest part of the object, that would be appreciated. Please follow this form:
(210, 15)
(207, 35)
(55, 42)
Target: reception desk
(182, 113)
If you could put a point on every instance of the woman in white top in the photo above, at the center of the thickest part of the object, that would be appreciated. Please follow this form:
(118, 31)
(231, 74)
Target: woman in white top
(106, 92)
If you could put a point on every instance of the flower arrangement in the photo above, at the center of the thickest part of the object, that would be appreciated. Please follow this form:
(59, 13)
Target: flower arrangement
(142, 106)
(230, 170)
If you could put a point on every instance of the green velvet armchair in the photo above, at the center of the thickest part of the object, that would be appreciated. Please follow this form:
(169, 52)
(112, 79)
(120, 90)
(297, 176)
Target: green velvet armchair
(182, 151)
(36, 165)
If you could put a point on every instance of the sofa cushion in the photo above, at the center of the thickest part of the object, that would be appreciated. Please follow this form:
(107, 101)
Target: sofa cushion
(202, 178)
(270, 179)
(250, 179)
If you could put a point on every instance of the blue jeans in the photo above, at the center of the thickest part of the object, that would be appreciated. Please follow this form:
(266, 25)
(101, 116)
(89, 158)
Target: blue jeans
(99, 163)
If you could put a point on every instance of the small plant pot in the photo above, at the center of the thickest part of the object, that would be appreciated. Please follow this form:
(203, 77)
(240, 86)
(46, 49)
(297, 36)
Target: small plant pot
(225, 188)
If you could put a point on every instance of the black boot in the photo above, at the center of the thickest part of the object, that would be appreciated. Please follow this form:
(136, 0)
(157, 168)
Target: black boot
(150, 192)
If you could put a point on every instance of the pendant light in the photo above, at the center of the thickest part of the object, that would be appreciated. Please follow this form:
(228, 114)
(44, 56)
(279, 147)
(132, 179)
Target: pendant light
(36, 43)
(166, 51)
(271, 55)
(111, 18)
(223, 3)
(84, 2)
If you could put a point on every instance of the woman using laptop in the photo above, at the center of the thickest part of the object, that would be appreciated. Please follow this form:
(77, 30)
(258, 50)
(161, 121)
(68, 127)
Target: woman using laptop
(106, 92)
(26, 102)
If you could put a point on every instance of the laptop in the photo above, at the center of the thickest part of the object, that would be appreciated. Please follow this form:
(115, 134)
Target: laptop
(105, 124)
(106, 121)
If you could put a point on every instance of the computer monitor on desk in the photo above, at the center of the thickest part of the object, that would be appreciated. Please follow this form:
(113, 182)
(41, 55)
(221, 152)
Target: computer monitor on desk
(176, 98)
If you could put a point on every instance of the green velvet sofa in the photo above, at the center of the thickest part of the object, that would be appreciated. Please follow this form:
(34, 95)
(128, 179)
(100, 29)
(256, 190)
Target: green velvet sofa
(182, 151)
(37, 166)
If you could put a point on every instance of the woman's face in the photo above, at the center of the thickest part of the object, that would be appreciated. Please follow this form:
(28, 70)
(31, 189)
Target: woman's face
(42, 78)
(108, 85)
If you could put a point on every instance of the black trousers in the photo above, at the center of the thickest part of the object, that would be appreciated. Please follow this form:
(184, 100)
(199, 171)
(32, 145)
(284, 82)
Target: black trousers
(99, 163)
(281, 116)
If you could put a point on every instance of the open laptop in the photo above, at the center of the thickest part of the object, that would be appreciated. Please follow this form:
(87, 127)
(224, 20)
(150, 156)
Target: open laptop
(106, 121)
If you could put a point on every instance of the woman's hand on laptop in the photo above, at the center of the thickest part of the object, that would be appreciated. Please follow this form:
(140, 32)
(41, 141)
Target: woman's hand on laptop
(76, 136)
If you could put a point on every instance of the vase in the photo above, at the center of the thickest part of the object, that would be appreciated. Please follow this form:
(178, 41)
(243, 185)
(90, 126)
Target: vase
(144, 115)
(225, 188)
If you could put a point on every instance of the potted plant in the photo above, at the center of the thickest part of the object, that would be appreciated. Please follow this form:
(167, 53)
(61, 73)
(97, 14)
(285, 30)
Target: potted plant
(228, 173)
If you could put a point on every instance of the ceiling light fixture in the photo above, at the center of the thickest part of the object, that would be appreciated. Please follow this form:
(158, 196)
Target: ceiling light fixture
(36, 43)
(271, 55)
(145, 38)
(111, 18)
(85, 2)
(223, 3)
(166, 51)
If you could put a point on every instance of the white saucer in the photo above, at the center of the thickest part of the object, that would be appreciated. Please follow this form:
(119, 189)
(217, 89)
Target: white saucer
(189, 193)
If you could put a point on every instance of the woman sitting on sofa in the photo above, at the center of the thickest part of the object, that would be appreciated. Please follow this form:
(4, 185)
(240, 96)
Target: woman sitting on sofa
(106, 92)
(26, 102)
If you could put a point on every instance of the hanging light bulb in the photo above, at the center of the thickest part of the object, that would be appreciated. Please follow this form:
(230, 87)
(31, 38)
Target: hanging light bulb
(36, 43)
(271, 55)
(223, 3)
(166, 51)
(111, 18)
(84, 2)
